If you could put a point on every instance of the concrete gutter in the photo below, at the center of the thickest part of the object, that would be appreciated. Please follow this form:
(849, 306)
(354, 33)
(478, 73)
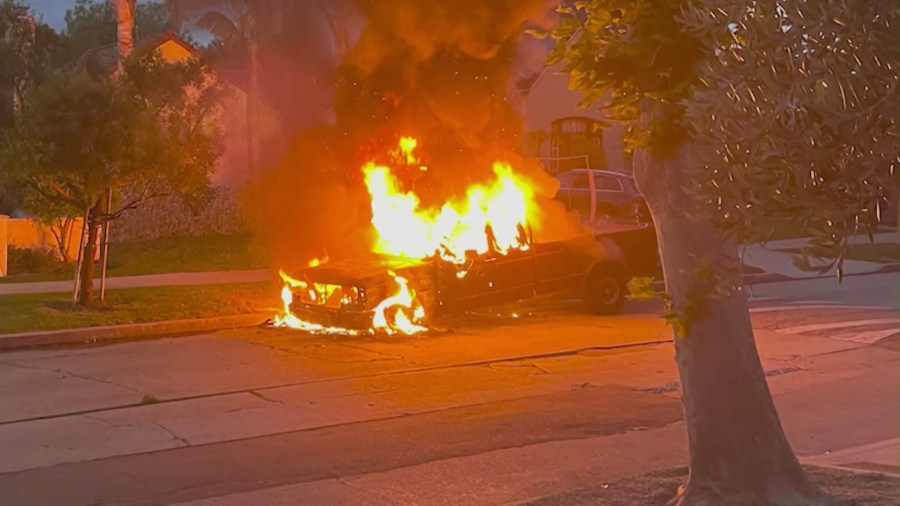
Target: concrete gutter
(774, 277)
(92, 335)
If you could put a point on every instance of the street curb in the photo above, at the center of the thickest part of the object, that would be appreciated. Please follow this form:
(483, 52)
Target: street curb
(771, 277)
(812, 461)
(92, 335)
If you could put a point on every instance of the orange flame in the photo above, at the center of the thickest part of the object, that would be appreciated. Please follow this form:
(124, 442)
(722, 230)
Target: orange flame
(407, 311)
(491, 218)
(404, 152)
(315, 292)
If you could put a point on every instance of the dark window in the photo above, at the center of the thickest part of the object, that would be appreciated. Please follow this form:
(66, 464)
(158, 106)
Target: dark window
(565, 180)
(580, 180)
(607, 183)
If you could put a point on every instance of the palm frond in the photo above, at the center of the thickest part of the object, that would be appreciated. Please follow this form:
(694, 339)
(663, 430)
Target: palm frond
(189, 12)
(220, 25)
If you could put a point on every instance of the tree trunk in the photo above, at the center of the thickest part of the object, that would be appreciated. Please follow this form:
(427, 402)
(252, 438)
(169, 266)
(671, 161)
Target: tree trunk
(738, 451)
(86, 276)
(62, 233)
(253, 98)
(124, 30)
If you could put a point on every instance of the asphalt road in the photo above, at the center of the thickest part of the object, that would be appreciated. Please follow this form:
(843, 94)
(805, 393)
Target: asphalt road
(489, 409)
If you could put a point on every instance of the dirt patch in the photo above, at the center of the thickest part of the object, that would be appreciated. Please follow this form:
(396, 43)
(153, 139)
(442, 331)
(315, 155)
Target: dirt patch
(864, 489)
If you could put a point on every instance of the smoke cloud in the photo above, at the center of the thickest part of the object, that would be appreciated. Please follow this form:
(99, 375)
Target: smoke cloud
(437, 71)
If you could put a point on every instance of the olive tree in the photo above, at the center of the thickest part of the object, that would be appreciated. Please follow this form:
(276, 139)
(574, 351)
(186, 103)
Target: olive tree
(148, 133)
(740, 113)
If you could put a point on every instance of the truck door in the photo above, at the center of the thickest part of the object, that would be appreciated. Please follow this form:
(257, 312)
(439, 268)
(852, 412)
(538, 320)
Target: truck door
(562, 265)
(488, 280)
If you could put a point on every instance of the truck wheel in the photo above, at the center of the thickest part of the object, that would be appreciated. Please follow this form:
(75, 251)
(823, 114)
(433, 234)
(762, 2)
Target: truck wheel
(605, 290)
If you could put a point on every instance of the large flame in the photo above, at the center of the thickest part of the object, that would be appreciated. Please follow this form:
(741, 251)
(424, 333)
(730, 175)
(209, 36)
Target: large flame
(491, 218)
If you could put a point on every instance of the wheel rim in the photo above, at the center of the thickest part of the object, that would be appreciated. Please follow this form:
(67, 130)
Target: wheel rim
(608, 291)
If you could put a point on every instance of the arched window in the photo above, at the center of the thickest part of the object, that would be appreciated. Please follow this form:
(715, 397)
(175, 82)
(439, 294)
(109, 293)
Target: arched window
(576, 136)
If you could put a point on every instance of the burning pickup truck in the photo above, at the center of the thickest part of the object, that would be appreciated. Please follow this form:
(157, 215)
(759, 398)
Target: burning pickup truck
(471, 252)
(356, 295)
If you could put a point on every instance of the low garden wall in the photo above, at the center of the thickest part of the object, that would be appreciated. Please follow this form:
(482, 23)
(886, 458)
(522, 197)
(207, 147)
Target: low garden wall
(60, 237)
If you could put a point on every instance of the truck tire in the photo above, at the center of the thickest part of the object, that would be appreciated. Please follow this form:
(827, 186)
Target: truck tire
(604, 289)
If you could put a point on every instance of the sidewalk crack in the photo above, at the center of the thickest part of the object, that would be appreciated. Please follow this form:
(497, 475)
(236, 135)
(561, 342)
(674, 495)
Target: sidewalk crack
(263, 397)
(69, 373)
(176, 437)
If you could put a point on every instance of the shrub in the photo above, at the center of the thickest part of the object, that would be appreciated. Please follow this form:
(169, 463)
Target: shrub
(33, 261)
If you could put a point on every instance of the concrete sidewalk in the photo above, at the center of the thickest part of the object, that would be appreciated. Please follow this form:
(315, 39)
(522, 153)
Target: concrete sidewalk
(882, 457)
(169, 279)
(772, 258)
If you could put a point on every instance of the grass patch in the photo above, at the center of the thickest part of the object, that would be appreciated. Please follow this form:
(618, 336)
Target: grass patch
(884, 252)
(164, 255)
(184, 254)
(33, 312)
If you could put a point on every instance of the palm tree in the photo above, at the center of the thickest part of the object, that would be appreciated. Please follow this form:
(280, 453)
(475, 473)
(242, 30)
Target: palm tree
(248, 27)
(124, 28)
(235, 24)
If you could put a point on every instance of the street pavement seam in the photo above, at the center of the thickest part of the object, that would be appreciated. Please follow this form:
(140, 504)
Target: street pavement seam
(184, 443)
(476, 363)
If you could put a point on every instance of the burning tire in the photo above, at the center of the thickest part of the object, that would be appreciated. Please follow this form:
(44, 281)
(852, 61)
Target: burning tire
(605, 290)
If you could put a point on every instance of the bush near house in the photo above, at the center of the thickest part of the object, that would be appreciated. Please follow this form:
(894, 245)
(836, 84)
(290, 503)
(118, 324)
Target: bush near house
(35, 260)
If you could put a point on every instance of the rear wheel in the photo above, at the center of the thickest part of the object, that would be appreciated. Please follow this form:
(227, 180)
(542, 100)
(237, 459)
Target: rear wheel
(604, 290)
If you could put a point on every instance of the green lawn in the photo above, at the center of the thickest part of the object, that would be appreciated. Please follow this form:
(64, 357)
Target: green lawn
(884, 252)
(170, 254)
(32, 312)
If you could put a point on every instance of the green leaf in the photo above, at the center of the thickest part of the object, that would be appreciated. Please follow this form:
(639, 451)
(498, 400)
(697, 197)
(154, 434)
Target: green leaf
(641, 288)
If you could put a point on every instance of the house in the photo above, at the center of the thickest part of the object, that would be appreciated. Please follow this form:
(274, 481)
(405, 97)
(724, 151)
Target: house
(234, 168)
(562, 133)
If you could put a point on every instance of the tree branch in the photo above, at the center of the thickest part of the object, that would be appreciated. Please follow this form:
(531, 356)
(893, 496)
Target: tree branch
(58, 193)
(134, 204)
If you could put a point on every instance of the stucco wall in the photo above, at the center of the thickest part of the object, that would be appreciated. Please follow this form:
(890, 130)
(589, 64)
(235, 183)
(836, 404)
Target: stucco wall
(28, 233)
(233, 167)
(550, 98)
